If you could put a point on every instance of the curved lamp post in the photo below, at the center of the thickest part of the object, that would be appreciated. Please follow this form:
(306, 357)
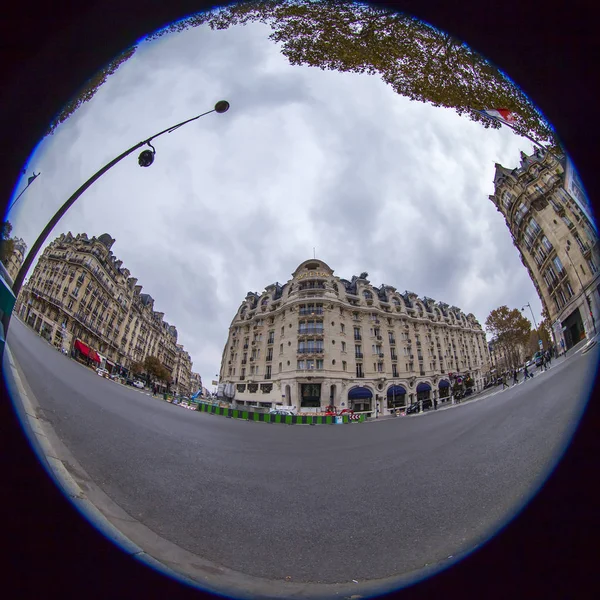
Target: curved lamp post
(145, 159)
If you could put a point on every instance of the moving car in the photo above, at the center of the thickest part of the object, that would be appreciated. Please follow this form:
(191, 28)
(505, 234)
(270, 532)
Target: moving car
(102, 372)
(138, 384)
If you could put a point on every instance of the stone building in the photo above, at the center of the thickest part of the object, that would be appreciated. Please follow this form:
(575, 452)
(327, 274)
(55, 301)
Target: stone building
(81, 299)
(319, 340)
(182, 372)
(15, 260)
(195, 382)
(556, 240)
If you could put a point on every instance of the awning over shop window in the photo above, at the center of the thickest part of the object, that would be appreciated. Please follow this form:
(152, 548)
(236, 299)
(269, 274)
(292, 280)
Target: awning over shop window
(110, 362)
(94, 356)
(359, 393)
(423, 387)
(79, 345)
(395, 390)
(444, 384)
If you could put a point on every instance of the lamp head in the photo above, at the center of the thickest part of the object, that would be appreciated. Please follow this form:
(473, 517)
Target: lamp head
(222, 106)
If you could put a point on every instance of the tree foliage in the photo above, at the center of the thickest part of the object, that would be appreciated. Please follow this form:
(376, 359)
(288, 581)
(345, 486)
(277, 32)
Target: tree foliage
(137, 368)
(542, 333)
(156, 370)
(90, 88)
(510, 330)
(419, 61)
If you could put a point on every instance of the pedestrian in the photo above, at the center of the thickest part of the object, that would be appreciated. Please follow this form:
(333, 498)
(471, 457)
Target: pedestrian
(515, 377)
(548, 357)
(504, 384)
(562, 346)
(527, 374)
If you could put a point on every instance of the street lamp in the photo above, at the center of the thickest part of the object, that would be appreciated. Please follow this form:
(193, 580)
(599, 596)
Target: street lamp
(145, 159)
(589, 303)
(536, 327)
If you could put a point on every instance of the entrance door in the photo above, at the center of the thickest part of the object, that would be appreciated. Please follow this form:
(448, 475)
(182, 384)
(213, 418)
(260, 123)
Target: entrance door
(310, 394)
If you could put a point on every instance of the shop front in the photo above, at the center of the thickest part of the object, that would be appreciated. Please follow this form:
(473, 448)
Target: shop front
(360, 399)
(444, 390)
(572, 328)
(396, 397)
(84, 354)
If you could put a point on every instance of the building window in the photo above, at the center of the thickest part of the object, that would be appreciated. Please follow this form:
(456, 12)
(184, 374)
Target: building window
(280, 348)
(344, 365)
(558, 264)
(521, 211)
(280, 367)
(343, 346)
(566, 221)
(343, 327)
(546, 243)
(359, 371)
(394, 370)
(592, 266)
(507, 200)
(357, 333)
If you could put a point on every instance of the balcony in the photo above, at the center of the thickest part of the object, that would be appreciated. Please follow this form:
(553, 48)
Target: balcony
(310, 311)
(269, 358)
(358, 355)
(244, 361)
(242, 377)
(360, 375)
(271, 341)
(381, 355)
(379, 337)
(392, 342)
(357, 338)
(310, 351)
(310, 331)
(245, 346)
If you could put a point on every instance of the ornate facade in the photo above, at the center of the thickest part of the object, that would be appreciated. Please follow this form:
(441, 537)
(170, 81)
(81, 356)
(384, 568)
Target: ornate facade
(319, 340)
(556, 241)
(15, 260)
(80, 296)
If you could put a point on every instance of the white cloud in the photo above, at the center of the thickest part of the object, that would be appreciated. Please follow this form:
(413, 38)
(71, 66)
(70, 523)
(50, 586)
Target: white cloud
(305, 158)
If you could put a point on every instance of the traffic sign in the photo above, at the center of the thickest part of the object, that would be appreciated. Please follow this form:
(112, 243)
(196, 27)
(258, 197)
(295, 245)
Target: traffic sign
(540, 344)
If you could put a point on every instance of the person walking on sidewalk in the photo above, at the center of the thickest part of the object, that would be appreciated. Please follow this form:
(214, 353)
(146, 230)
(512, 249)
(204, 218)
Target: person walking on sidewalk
(527, 374)
(548, 358)
(515, 377)
(504, 384)
(562, 346)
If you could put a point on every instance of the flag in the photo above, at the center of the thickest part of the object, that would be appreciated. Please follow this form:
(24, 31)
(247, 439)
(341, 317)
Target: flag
(503, 114)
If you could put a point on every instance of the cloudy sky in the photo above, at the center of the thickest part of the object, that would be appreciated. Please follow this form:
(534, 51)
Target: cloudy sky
(304, 158)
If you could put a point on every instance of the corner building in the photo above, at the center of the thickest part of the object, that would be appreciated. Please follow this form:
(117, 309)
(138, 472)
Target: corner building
(556, 240)
(80, 297)
(319, 340)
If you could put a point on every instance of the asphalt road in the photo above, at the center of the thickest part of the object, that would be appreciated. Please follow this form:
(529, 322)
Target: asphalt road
(320, 504)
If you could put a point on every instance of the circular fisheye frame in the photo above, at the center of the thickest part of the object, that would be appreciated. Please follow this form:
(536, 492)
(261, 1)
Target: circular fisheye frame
(427, 423)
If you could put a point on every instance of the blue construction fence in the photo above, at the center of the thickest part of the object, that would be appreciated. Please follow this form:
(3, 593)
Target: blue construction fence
(248, 415)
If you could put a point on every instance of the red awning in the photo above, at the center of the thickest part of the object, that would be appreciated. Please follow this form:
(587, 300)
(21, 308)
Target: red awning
(79, 345)
(94, 356)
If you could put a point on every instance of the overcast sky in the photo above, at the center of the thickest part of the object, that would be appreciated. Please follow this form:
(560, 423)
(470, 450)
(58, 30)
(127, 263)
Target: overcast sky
(304, 158)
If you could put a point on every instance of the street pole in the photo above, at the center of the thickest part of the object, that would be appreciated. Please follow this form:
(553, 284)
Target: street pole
(536, 327)
(589, 303)
(145, 160)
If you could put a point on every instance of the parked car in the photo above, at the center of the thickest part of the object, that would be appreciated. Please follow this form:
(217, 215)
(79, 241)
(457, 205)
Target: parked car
(281, 411)
(413, 408)
(138, 384)
(129, 381)
(102, 372)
